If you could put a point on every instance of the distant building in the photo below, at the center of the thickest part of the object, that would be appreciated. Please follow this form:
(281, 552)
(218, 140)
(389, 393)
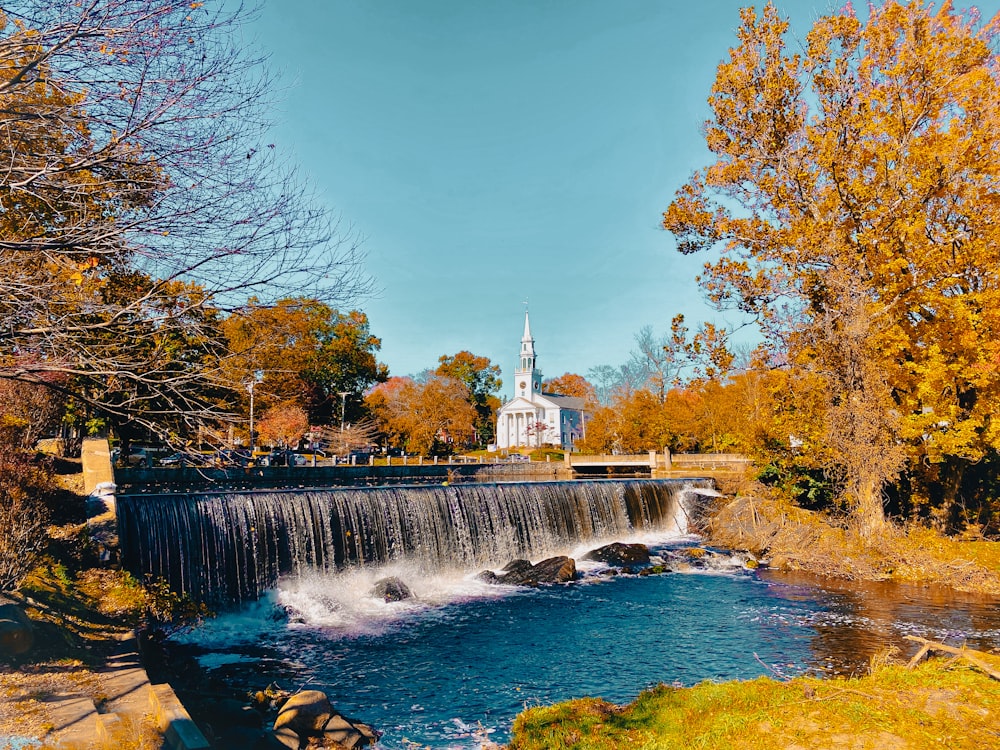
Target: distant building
(532, 418)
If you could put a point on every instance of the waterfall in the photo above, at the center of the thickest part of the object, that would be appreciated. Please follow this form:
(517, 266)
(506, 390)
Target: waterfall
(232, 546)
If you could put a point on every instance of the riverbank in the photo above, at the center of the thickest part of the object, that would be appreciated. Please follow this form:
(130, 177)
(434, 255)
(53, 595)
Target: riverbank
(791, 538)
(936, 704)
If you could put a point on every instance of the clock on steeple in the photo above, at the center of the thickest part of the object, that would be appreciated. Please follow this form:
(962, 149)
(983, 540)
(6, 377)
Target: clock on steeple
(528, 377)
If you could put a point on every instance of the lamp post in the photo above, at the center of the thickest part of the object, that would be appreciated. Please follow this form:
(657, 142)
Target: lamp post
(343, 406)
(257, 377)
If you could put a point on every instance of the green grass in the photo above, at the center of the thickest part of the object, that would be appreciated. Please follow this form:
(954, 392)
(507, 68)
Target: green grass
(937, 704)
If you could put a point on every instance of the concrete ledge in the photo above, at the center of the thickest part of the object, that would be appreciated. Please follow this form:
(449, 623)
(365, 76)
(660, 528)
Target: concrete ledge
(74, 721)
(109, 727)
(179, 730)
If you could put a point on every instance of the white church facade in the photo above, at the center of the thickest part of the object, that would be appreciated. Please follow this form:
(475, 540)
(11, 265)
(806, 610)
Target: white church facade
(533, 419)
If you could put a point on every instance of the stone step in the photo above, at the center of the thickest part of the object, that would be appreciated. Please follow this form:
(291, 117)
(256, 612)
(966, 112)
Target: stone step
(74, 721)
(127, 691)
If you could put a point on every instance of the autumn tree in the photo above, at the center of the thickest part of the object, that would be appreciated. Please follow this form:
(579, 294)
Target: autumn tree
(28, 490)
(571, 384)
(284, 425)
(613, 382)
(342, 439)
(853, 203)
(304, 352)
(28, 411)
(428, 417)
(482, 379)
(141, 200)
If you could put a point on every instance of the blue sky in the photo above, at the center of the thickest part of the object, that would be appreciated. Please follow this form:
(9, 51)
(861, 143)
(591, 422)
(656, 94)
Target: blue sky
(497, 152)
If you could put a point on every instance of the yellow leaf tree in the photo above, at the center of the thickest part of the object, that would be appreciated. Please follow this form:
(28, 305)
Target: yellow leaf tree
(853, 204)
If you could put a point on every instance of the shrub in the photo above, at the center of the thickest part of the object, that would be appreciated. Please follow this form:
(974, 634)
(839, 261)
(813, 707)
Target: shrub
(27, 491)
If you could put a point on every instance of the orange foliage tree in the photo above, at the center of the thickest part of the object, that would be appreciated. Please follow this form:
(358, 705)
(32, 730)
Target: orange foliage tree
(482, 379)
(284, 425)
(571, 384)
(434, 416)
(853, 201)
(305, 352)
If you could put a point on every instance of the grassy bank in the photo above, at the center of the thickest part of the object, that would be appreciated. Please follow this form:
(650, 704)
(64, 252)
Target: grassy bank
(791, 538)
(937, 704)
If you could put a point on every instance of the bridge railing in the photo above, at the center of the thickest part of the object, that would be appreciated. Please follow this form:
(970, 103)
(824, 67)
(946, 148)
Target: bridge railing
(607, 458)
(665, 460)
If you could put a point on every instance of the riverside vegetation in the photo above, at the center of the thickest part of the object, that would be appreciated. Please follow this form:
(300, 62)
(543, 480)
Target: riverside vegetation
(949, 702)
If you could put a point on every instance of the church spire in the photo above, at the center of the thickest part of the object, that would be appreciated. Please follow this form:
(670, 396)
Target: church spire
(528, 378)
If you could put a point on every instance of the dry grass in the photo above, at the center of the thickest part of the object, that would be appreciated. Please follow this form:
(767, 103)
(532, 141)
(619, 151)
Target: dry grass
(937, 704)
(795, 539)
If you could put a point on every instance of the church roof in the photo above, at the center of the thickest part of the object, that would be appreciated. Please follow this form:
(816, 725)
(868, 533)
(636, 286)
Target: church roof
(546, 400)
(565, 402)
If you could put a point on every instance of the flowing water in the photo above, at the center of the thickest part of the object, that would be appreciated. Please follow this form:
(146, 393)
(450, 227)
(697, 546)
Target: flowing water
(453, 666)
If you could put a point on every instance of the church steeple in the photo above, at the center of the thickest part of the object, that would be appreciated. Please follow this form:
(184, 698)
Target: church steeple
(528, 379)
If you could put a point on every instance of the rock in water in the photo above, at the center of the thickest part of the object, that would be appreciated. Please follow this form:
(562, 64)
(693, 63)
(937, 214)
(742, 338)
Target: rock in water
(620, 554)
(487, 576)
(392, 590)
(517, 567)
(350, 733)
(16, 634)
(553, 570)
(305, 713)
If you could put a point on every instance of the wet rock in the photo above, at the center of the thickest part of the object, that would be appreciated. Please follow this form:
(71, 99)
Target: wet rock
(16, 633)
(487, 576)
(349, 733)
(306, 714)
(654, 570)
(553, 570)
(517, 568)
(287, 738)
(392, 589)
(619, 554)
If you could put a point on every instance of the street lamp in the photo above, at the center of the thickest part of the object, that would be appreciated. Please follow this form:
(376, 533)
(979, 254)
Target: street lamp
(257, 377)
(343, 406)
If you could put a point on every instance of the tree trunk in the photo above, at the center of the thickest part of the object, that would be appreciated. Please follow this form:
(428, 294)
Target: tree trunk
(869, 517)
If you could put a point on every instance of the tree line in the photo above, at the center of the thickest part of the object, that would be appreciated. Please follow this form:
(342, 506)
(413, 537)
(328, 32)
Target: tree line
(163, 263)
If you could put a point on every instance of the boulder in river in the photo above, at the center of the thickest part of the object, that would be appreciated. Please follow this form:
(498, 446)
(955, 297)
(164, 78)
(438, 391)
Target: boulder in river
(349, 733)
(392, 590)
(306, 714)
(619, 554)
(523, 573)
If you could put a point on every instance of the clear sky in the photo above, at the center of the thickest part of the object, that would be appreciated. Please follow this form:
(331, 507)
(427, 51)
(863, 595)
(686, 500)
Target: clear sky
(497, 152)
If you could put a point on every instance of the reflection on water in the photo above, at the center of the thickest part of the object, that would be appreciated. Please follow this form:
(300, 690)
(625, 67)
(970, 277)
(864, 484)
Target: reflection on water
(461, 661)
(858, 620)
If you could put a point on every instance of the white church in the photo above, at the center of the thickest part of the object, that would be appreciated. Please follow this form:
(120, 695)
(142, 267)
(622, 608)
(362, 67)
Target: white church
(533, 419)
